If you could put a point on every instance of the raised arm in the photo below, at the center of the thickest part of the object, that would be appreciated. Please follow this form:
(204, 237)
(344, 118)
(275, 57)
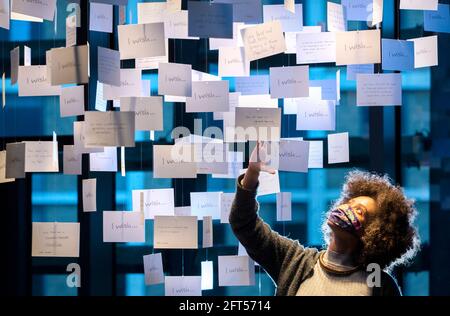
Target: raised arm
(263, 245)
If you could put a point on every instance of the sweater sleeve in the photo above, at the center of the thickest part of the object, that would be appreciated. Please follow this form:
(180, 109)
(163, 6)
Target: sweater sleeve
(262, 244)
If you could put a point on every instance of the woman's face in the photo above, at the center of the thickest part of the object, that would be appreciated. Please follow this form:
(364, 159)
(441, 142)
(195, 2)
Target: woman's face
(364, 206)
(353, 216)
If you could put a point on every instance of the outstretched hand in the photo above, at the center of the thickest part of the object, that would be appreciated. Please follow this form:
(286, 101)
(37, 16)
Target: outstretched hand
(257, 164)
(259, 159)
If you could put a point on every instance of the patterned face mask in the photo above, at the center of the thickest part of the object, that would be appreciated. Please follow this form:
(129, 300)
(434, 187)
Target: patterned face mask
(346, 219)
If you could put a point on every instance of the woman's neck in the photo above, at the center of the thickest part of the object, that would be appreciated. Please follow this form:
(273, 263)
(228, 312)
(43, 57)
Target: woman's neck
(345, 246)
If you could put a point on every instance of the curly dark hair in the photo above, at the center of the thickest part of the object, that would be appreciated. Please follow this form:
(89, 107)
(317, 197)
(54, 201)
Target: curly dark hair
(390, 238)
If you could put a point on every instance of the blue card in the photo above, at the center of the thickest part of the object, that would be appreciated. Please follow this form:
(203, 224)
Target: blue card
(358, 10)
(329, 88)
(248, 11)
(397, 55)
(437, 21)
(253, 85)
(207, 20)
(353, 70)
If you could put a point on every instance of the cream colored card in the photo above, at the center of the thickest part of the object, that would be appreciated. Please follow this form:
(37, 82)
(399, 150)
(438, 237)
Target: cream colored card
(263, 40)
(53, 239)
(358, 47)
(3, 178)
(175, 232)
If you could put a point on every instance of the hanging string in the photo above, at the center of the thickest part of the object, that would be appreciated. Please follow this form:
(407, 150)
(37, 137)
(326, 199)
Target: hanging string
(54, 97)
(4, 112)
(206, 70)
(259, 280)
(182, 262)
(39, 43)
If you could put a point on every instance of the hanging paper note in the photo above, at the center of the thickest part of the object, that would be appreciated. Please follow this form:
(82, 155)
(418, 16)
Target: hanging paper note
(379, 89)
(263, 40)
(338, 148)
(153, 269)
(207, 19)
(89, 195)
(55, 239)
(358, 47)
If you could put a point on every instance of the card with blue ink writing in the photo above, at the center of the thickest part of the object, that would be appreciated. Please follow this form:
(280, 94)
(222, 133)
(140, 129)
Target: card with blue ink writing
(253, 85)
(207, 20)
(437, 21)
(358, 10)
(397, 55)
(328, 86)
(290, 22)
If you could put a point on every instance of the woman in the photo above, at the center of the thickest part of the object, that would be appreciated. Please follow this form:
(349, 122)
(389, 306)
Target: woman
(370, 223)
